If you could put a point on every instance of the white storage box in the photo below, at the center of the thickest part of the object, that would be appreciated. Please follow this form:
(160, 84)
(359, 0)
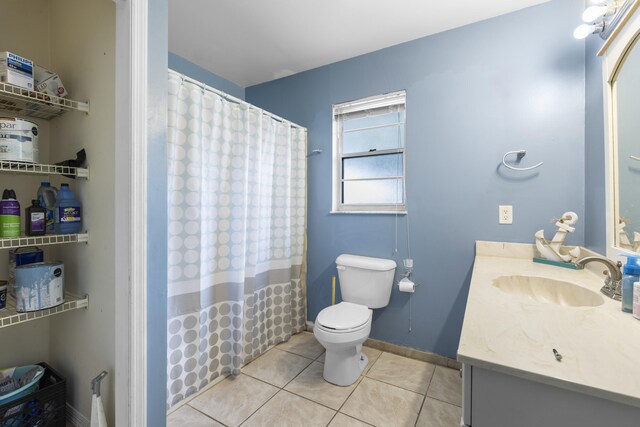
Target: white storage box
(48, 82)
(18, 140)
(16, 70)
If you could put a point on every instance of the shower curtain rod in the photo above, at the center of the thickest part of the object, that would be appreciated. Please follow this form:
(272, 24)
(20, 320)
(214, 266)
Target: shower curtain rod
(234, 99)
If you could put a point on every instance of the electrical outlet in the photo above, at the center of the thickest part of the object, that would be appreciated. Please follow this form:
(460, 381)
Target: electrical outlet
(505, 214)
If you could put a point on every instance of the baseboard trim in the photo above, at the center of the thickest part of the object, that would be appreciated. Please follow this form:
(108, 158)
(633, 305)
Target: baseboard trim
(76, 418)
(412, 353)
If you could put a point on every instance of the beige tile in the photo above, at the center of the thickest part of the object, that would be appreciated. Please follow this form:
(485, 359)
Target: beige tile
(403, 372)
(341, 420)
(186, 416)
(372, 355)
(446, 385)
(312, 385)
(382, 404)
(276, 367)
(303, 344)
(233, 400)
(289, 410)
(439, 414)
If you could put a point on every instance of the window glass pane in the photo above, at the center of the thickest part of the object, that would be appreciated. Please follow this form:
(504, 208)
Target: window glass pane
(383, 138)
(380, 166)
(373, 120)
(373, 192)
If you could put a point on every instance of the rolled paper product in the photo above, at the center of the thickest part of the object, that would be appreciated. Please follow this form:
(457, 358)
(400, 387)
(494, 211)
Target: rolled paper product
(407, 285)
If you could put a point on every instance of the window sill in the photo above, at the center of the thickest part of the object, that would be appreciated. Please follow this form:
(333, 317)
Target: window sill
(369, 212)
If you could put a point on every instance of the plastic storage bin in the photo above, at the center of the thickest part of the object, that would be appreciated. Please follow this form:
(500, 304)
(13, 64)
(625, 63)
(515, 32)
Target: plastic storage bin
(42, 408)
(27, 388)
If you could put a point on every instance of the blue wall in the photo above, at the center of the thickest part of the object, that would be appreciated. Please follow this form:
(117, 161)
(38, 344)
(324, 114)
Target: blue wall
(473, 93)
(181, 65)
(595, 197)
(158, 22)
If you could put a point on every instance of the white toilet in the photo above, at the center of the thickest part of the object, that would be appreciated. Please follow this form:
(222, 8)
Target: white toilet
(365, 283)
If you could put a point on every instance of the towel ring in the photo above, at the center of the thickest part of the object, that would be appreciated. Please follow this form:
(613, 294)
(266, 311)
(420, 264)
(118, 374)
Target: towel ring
(519, 155)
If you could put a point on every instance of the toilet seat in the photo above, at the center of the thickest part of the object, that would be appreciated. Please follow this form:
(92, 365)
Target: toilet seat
(344, 317)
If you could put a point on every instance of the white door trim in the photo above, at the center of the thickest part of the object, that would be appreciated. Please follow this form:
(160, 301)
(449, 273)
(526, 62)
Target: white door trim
(131, 212)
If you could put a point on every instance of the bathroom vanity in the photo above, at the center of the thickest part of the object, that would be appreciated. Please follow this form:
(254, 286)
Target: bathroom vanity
(518, 312)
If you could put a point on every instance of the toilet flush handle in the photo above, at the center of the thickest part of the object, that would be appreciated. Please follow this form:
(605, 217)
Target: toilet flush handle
(341, 267)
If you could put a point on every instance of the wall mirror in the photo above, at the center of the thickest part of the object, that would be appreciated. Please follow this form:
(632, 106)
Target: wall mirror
(622, 78)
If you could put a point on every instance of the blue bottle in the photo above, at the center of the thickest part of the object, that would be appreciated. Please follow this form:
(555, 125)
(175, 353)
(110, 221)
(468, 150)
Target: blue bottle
(47, 198)
(631, 274)
(68, 212)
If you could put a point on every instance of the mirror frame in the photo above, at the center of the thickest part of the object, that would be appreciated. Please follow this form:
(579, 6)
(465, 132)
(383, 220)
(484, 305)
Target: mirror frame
(614, 53)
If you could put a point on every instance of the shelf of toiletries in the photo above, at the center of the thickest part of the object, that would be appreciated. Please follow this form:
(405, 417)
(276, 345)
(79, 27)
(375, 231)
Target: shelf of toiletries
(9, 316)
(16, 100)
(48, 239)
(41, 169)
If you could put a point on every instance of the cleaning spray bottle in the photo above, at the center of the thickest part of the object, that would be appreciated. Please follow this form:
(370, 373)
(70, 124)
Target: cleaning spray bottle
(9, 215)
(631, 274)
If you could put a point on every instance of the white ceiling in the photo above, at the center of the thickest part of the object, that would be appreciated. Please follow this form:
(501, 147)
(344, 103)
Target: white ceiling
(254, 41)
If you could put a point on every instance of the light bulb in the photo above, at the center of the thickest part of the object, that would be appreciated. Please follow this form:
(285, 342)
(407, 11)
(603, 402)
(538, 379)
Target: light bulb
(593, 13)
(583, 31)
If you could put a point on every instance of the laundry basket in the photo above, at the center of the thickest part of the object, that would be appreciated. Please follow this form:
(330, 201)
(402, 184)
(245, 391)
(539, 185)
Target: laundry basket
(41, 404)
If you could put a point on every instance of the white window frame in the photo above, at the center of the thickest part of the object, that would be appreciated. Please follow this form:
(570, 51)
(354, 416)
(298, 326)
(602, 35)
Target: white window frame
(378, 101)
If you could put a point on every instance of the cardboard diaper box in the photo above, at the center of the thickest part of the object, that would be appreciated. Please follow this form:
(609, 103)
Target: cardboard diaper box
(48, 82)
(16, 70)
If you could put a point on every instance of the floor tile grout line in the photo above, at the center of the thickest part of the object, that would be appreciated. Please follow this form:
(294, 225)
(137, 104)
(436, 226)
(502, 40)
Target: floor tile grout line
(260, 407)
(360, 378)
(206, 415)
(433, 374)
(440, 399)
(297, 375)
(444, 401)
(400, 387)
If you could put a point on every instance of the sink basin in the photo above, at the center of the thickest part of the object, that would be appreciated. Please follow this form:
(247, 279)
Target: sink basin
(548, 291)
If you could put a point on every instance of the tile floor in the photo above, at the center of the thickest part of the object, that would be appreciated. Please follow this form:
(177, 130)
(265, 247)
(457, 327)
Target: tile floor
(284, 387)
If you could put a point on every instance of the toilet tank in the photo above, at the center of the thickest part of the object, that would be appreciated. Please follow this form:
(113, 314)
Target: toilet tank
(365, 280)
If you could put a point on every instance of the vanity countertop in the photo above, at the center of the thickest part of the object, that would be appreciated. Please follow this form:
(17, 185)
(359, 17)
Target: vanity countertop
(600, 346)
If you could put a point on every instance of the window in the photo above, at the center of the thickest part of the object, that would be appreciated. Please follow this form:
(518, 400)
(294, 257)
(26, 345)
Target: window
(368, 155)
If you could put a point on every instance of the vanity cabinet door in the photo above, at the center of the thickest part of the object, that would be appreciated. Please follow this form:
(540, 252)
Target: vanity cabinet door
(501, 400)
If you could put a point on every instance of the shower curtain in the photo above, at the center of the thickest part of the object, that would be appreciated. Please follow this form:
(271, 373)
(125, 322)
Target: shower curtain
(236, 235)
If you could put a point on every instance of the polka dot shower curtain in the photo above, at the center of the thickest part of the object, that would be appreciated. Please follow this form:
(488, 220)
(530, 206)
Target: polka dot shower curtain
(237, 212)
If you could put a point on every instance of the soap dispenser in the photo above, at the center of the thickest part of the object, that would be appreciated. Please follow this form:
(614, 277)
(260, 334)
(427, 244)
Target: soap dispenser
(631, 274)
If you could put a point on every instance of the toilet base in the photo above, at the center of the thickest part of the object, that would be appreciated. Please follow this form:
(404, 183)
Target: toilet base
(343, 366)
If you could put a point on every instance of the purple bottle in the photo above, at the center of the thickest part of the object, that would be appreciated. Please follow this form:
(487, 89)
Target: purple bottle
(9, 215)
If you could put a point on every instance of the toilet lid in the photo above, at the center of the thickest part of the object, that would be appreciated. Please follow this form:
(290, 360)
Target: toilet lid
(344, 315)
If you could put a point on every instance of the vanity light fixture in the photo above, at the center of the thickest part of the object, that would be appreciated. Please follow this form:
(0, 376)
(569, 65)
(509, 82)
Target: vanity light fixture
(585, 30)
(601, 18)
(596, 13)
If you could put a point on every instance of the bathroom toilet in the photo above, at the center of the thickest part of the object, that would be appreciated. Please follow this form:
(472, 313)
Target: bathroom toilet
(365, 284)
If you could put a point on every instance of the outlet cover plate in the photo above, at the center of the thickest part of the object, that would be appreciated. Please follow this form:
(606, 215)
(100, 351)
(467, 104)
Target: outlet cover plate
(505, 214)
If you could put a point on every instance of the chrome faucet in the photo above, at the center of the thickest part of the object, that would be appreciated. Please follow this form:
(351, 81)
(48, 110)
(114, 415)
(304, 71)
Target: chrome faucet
(613, 280)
